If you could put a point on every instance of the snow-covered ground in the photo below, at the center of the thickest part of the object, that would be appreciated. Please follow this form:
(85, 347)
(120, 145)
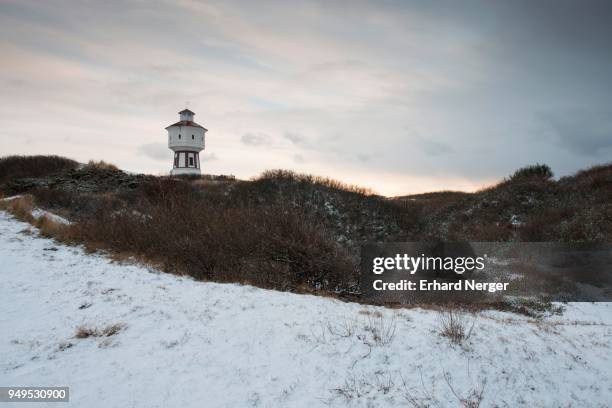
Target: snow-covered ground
(193, 344)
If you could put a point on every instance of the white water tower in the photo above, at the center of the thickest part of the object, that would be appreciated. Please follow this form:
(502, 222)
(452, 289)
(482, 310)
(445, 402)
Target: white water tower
(186, 139)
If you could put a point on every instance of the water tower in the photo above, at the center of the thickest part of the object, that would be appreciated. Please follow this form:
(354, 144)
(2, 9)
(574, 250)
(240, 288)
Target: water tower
(186, 139)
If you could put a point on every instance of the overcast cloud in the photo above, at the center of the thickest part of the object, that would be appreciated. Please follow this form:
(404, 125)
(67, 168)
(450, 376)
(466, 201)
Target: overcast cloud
(397, 96)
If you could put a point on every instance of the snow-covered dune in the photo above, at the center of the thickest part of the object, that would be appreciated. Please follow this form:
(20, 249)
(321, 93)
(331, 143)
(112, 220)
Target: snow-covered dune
(182, 343)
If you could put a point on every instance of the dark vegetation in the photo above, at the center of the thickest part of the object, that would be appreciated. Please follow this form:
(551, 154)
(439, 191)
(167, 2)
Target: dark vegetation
(296, 232)
(536, 171)
(15, 167)
(529, 206)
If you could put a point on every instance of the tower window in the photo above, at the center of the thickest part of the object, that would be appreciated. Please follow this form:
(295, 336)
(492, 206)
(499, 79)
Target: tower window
(192, 137)
(190, 161)
(179, 135)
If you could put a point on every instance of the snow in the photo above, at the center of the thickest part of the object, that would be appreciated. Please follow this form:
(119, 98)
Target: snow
(184, 343)
(11, 198)
(39, 213)
(515, 220)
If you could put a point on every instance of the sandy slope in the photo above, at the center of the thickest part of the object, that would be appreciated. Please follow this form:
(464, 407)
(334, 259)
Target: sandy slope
(192, 344)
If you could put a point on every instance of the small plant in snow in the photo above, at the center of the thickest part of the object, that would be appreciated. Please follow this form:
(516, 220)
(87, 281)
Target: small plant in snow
(353, 387)
(344, 328)
(429, 397)
(384, 382)
(381, 329)
(473, 398)
(84, 332)
(455, 324)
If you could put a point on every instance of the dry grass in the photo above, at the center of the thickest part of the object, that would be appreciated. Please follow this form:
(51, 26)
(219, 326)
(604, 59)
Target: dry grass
(83, 332)
(367, 312)
(21, 207)
(100, 165)
(52, 229)
(113, 329)
(360, 386)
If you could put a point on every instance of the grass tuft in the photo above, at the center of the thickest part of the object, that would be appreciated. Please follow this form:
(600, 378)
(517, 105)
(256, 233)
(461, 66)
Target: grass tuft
(83, 332)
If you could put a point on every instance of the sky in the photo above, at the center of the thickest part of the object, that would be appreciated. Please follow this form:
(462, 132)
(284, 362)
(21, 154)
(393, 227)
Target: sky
(397, 96)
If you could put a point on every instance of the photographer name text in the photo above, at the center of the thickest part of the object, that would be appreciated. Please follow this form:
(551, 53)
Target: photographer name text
(434, 285)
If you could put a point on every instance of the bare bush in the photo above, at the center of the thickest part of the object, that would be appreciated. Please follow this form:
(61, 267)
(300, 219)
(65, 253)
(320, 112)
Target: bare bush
(357, 386)
(170, 224)
(472, 398)
(384, 382)
(424, 396)
(421, 398)
(354, 387)
(455, 324)
(344, 328)
(273, 246)
(382, 329)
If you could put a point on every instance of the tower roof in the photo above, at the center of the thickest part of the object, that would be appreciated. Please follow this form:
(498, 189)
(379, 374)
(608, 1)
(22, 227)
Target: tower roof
(187, 120)
(186, 123)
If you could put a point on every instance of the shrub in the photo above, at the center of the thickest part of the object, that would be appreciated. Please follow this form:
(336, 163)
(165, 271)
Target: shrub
(587, 181)
(12, 167)
(454, 324)
(53, 198)
(541, 171)
(298, 232)
(52, 229)
(100, 165)
(288, 176)
(544, 225)
(21, 207)
(275, 246)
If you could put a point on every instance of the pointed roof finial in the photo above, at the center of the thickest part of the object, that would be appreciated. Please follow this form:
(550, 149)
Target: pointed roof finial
(187, 110)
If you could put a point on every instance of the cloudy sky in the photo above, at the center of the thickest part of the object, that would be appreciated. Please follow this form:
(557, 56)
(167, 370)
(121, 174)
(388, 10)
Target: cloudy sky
(403, 96)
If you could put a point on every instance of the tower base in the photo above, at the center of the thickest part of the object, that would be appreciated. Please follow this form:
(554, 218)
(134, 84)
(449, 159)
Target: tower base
(182, 171)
